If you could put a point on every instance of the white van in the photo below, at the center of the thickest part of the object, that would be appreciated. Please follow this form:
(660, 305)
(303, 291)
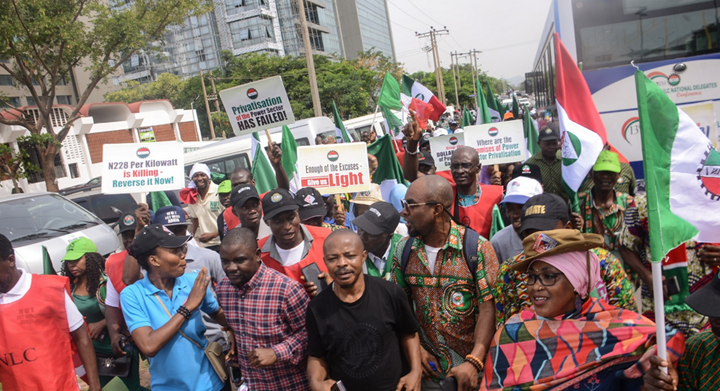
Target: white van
(223, 157)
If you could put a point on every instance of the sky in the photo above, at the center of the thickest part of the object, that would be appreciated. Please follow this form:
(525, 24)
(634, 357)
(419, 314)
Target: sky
(506, 32)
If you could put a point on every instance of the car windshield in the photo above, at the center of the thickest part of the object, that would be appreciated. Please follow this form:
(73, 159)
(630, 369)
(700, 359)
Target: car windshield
(41, 217)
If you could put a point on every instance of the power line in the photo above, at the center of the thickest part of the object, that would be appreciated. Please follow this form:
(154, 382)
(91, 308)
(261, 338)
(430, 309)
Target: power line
(423, 12)
(406, 13)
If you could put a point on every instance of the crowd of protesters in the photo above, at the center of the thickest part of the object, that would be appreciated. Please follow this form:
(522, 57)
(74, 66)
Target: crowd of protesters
(424, 290)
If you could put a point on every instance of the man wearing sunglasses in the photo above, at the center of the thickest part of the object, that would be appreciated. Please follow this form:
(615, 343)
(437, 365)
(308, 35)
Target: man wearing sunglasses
(545, 212)
(449, 284)
(472, 203)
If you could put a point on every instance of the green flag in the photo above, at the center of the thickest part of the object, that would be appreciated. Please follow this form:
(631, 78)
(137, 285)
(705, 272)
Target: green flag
(389, 172)
(262, 171)
(389, 97)
(497, 222)
(515, 107)
(467, 119)
(492, 102)
(531, 134)
(483, 110)
(47, 263)
(340, 130)
(288, 145)
(159, 199)
(394, 124)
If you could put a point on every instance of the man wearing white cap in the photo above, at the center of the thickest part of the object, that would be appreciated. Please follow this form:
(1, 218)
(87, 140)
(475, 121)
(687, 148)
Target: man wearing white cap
(204, 212)
(507, 242)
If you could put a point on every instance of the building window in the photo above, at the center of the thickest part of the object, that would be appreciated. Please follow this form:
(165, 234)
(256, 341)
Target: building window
(30, 101)
(311, 13)
(245, 35)
(316, 40)
(13, 101)
(63, 99)
(6, 80)
(74, 172)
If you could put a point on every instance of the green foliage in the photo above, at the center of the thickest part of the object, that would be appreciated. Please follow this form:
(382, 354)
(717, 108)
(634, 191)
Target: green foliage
(44, 39)
(15, 165)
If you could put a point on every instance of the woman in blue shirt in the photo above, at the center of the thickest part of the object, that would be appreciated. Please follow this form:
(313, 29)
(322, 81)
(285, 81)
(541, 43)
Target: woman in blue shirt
(163, 306)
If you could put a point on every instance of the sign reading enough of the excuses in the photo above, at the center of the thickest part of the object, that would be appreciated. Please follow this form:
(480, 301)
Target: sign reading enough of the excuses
(258, 105)
(334, 168)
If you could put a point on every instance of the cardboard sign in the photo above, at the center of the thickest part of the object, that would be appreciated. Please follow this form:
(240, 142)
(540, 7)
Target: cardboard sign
(258, 105)
(443, 147)
(335, 168)
(497, 143)
(133, 168)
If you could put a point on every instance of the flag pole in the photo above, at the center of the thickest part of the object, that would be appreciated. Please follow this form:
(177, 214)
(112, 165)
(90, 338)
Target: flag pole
(372, 125)
(659, 311)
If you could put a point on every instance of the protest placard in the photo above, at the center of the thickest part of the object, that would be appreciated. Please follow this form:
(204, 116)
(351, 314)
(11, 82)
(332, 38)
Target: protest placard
(147, 135)
(134, 168)
(336, 168)
(259, 105)
(443, 147)
(497, 143)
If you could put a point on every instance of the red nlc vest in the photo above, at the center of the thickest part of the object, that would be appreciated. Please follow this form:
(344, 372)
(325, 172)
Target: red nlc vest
(315, 255)
(479, 216)
(114, 269)
(35, 340)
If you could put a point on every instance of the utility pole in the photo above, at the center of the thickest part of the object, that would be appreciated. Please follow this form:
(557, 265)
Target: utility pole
(207, 106)
(214, 96)
(309, 58)
(473, 54)
(436, 58)
(452, 64)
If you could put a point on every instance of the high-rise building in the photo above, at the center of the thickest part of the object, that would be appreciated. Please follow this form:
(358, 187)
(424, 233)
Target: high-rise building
(336, 27)
(365, 25)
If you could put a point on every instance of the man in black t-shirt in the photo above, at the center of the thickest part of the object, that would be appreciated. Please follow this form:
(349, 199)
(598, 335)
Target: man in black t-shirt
(358, 326)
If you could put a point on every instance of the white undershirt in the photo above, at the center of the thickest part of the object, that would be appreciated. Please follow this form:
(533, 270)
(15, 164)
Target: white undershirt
(112, 297)
(291, 256)
(432, 253)
(74, 317)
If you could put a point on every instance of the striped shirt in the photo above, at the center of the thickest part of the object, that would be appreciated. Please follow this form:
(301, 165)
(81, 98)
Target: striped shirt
(699, 366)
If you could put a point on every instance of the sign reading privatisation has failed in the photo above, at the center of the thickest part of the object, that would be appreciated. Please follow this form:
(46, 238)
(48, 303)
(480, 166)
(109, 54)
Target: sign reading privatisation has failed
(259, 105)
(134, 168)
(443, 147)
(497, 143)
(334, 168)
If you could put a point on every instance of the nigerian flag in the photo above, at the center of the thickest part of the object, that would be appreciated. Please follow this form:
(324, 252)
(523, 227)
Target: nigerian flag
(340, 131)
(389, 172)
(288, 145)
(262, 170)
(483, 116)
(531, 134)
(467, 118)
(492, 102)
(515, 107)
(47, 263)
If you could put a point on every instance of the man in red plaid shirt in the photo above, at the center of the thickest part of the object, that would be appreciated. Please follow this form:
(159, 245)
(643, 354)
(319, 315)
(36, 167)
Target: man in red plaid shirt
(266, 311)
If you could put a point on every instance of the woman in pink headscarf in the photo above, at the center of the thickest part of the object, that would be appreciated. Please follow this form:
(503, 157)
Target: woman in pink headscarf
(570, 338)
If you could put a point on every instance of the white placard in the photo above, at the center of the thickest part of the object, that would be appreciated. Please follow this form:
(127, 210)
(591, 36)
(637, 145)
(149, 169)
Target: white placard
(133, 168)
(259, 105)
(335, 168)
(443, 147)
(497, 143)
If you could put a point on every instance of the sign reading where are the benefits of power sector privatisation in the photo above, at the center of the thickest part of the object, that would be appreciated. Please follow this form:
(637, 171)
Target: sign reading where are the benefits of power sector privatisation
(497, 143)
(259, 105)
(335, 168)
(134, 168)
(443, 147)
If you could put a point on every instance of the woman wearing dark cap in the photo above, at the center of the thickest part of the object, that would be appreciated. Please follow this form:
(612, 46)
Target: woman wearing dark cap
(86, 269)
(162, 311)
(570, 337)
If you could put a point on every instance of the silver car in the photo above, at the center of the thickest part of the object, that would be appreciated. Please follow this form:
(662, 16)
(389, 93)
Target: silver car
(31, 221)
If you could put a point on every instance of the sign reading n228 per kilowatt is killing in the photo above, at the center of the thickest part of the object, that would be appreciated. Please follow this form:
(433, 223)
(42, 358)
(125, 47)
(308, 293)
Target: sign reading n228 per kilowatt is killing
(334, 168)
(259, 105)
(135, 168)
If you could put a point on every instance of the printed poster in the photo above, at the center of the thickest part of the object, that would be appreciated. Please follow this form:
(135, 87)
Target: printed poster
(135, 168)
(259, 105)
(334, 168)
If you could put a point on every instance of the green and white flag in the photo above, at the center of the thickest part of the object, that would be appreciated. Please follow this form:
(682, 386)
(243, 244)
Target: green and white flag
(682, 172)
(389, 97)
(340, 131)
(492, 103)
(531, 134)
(389, 172)
(262, 170)
(288, 145)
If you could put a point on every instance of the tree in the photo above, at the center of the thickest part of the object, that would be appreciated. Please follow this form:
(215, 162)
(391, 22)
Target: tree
(16, 165)
(45, 39)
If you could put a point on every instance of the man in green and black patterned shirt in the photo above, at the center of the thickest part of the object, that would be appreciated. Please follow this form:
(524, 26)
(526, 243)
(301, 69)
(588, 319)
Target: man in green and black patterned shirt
(549, 159)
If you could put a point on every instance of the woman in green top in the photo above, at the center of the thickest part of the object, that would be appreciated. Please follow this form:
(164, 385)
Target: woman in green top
(86, 270)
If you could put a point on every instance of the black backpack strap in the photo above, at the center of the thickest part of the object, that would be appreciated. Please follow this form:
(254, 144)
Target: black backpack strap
(470, 247)
(406, 253)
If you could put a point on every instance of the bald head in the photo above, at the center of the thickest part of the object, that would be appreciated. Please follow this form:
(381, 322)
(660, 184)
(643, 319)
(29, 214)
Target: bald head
(340, 236)
(240, 236)
(433, 188)
(465, 152)
(241, 176)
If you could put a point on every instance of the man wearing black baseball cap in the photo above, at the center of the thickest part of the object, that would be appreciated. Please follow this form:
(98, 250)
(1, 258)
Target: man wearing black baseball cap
(545, 212)
(312, 208)
(699, 367)
(376, 228)
(291, 246)
(549, 160)
(426, 163)
(245, 204)
(527, 170)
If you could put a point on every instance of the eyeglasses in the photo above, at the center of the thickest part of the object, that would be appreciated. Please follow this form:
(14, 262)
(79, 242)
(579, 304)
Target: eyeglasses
(546, 279)
(407, 206)
(464, 166)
